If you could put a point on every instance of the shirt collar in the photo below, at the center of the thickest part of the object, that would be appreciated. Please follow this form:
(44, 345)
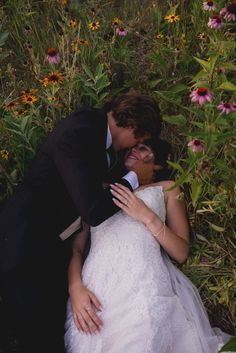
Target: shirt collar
(109, 138)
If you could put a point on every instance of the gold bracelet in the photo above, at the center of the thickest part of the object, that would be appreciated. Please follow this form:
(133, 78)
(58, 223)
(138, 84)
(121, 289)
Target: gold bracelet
(162, 229)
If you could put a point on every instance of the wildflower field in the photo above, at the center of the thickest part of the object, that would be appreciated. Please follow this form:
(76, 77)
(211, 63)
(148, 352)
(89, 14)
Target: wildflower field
(57, 55)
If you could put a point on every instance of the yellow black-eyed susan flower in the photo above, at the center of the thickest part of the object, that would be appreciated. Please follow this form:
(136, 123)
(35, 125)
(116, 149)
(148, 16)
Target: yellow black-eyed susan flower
(159, 36)
(29, 91)
(52, 78)
(202, 36)
(172, 18)
(73, 23)
(52, 98)
(94, 25)
(29, 99)
(83, 42)
(4, 154)
(116, 22)
(18, 113)
(74, 47)
(10, 106)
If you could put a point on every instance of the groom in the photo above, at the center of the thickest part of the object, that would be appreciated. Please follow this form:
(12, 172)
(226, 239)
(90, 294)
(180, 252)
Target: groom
(64, 181)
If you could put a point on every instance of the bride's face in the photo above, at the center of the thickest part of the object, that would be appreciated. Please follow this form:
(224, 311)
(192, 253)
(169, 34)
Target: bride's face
(140, 152)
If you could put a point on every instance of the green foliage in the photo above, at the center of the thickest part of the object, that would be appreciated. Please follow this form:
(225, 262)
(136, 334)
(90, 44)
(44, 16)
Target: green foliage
(165, 60)
(94, 85)
(230, 346)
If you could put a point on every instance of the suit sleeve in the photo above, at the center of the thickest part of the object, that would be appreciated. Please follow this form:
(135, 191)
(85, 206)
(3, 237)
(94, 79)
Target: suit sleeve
(74, 155)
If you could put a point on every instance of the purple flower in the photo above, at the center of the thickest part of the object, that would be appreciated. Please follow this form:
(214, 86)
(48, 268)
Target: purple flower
(52, 56)
(196, 145)
(201, 95)
(226, 107)
(121, 31)
(229, 12)
(209, 6)
(215, 22)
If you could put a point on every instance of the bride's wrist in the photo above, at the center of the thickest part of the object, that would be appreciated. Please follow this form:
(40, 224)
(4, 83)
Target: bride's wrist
(150, 219)
(156, 226)
(75, 287)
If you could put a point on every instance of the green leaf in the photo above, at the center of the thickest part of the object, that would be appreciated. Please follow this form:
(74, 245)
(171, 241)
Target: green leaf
(229, 66)
(197, 123)
(213, 63)
(172, 10)
(202, 238)
(178, 120)
(180, 87)
(230, 346)
(24, 122)
(88, 72)
(227, 44)
(165, 95)
(154, 83)
(215, 227)
(3, 38)
(227, 86)
(176, 166)
(196, 188)
(205, 64)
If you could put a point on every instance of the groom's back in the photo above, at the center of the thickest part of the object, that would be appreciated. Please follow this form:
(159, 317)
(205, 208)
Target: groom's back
(41, 207)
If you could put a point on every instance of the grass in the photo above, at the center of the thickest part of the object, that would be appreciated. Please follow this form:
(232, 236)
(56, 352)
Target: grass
(165, 60)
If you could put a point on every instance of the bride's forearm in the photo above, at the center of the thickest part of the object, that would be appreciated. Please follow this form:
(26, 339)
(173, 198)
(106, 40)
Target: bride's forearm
(173, 244)
(75, 266)
(74, 273)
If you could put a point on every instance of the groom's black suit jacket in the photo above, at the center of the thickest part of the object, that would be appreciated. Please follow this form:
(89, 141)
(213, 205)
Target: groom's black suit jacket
(63, 182)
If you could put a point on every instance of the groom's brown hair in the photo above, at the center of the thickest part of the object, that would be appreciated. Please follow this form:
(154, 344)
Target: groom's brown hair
(137, 110)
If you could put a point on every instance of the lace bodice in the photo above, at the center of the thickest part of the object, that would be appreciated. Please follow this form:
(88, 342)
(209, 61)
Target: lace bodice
(121, 241)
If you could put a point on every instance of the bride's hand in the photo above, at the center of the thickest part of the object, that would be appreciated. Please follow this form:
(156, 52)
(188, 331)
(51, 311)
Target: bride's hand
(84, 305)
(131, 204)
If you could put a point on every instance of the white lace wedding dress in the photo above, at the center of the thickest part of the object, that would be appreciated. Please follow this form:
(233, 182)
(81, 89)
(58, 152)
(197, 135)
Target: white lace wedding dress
(149, 306)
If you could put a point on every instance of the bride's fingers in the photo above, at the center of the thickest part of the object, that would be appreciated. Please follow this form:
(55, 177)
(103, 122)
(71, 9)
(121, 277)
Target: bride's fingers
(119, 196)
(94, 317)
(82, 322)
(77, 323)
(122, 190)
(90, 323)
(119, 204)
(95, 301)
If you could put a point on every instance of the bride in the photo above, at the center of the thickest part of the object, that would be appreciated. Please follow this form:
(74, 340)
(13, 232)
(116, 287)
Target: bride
(128, 297)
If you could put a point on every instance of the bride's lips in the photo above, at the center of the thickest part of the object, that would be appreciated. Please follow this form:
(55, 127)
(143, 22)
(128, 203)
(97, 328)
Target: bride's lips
(132, 156)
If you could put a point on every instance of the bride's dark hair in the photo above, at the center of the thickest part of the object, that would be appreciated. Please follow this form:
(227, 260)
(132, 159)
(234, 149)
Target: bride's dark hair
(163, 152)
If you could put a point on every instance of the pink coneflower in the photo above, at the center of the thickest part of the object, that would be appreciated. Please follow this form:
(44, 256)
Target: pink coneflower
(226, 107)
(221, 70)
(215, 22)
(121, 31)
(52, 56)
(196, 145)
(209, 6)
(201, 95)
(229, 12)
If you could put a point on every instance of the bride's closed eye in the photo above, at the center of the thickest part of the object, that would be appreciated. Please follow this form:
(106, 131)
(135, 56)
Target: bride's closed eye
(143, 148)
